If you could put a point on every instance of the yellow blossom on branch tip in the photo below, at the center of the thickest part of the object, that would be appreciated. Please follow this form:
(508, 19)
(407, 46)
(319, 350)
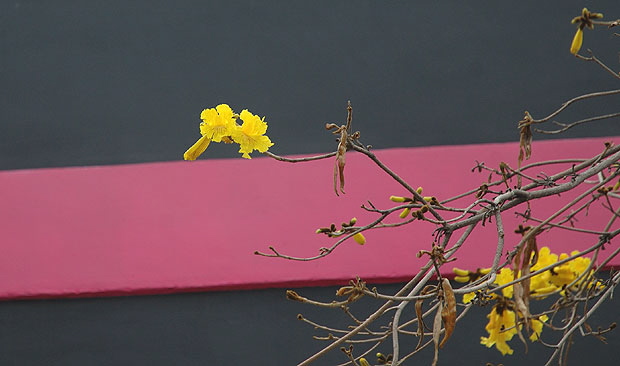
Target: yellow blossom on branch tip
(250, 135)
(397, 199)
(197, 148)
(218, 122)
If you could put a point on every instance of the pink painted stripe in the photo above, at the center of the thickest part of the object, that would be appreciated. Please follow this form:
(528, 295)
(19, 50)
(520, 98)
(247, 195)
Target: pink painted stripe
(184, 226)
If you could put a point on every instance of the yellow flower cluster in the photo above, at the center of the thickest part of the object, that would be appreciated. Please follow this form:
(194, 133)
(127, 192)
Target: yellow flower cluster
(219, 124)
(543, 283)
(502, 327)
(502, 319)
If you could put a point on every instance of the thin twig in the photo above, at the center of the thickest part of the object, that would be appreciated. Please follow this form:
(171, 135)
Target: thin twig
(566, 127)
(576, 99)
(299, 160)
(599, 62)
(396, 177)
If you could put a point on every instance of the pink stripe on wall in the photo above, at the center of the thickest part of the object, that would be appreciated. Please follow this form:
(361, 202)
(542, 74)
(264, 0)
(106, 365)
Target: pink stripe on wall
(185, 226)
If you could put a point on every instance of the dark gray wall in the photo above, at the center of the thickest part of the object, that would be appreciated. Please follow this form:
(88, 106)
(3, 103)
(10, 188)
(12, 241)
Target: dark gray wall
(125, 81)
(235, 328)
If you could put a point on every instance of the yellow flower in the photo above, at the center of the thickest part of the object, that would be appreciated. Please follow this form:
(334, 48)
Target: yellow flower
(545, 258)
(359, 238)
(250, 135)
(577, 41)
(579, 265)
(501, 328)
(537, 326)
(504, 276)
(196, 149)
(562, 274)
(568, 272)
(541, 283)
(218, 122)
(468, 297)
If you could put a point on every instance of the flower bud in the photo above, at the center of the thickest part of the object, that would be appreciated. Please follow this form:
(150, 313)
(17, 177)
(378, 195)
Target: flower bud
(545, 290)
(461, 279)
(460, 272)
(359, 238)
(577, 41)
(197, 148)
(405, 213)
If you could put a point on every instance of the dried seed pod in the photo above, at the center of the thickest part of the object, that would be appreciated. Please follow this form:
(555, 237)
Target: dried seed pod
(448, 311)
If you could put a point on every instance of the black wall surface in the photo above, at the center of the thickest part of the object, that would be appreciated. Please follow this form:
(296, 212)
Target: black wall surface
(125, 81)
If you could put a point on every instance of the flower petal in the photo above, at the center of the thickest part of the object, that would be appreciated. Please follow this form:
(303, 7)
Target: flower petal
(197, 148)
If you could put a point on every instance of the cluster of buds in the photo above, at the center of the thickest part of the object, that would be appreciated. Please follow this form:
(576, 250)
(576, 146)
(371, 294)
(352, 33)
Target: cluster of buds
(345, 228)
(465, 276)
(381, 359)
(418, 214)
(584, 20)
